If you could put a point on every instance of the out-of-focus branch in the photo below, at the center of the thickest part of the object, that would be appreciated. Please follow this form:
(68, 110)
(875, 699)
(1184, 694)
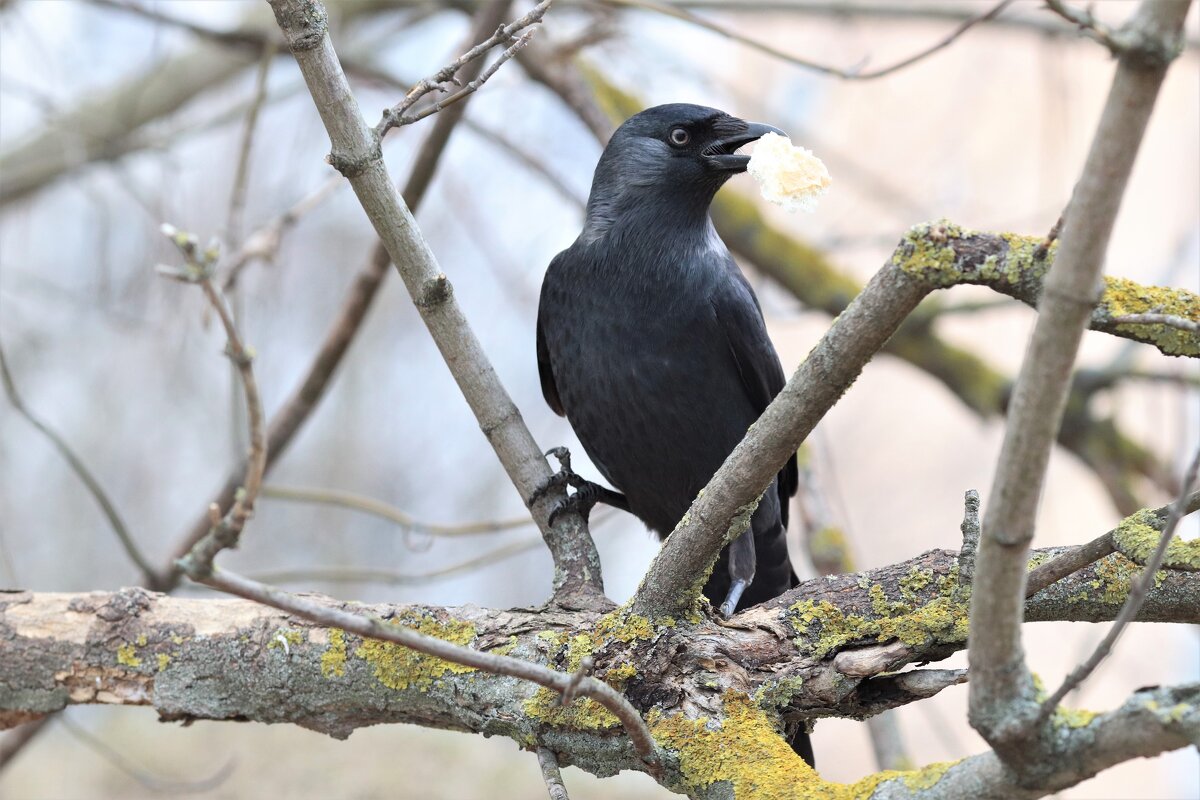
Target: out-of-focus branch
(856, 74)
(356, 154)
(1001, 688)
(1137, 595)
(390, 578)
(369, 505)
(107, 507)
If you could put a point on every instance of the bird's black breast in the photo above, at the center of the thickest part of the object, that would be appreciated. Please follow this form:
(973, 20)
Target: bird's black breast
(636, 354)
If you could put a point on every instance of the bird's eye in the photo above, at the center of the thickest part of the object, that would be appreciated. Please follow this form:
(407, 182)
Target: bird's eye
(680, 137)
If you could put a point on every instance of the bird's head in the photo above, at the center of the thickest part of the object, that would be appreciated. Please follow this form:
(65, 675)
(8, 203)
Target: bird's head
(675, 156)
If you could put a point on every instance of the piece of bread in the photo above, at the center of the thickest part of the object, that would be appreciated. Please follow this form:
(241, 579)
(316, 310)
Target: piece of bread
(787, 175)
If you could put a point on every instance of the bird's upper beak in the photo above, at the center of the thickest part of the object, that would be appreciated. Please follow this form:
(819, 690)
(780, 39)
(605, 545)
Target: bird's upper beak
(720, 154)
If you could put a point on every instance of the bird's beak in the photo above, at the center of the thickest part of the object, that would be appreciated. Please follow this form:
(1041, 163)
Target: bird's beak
(721, 154)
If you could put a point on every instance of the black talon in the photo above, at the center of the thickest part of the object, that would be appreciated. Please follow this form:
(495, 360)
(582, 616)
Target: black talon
(586, 495)
(564, 476)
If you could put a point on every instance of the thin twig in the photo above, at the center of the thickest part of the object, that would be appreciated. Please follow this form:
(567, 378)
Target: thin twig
(81, 471)
(1068, 563)
(512, 34)
(852, 74)
(1087, 23)
(224, 530)
(241, 175)
(302, 606)
(389, 578)
(1137, 596)
(1159, 319)
(551, 774)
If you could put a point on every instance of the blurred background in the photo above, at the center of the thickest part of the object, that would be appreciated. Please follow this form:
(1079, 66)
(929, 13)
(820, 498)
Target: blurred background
(118, 116)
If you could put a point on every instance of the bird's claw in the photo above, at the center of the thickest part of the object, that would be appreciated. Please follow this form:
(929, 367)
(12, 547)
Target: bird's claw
(564, 477)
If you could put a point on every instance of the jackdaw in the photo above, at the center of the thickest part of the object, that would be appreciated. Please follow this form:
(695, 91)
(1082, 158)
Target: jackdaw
(652, 343)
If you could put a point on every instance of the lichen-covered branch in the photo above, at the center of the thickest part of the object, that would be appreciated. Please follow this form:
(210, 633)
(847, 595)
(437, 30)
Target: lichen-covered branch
(137, 647)
(356, 154)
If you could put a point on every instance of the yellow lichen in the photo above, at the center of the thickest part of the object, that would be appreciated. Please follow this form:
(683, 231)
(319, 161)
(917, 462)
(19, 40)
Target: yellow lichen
(1122, 297)
(163, 661)
(333, 660)
(1115, 575)
(1137, 537)
(1072, 717)
(399, 667)
(747, 754)
(285, 635)
(943, 618)
(127, 656)
(141, 640)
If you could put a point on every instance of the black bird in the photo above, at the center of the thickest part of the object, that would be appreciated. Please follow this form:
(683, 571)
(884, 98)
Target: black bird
(652, 343)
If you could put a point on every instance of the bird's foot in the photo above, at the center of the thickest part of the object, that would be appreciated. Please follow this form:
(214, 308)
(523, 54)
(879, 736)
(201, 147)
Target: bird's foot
(733, 596)
(564, 476)
(585, 496)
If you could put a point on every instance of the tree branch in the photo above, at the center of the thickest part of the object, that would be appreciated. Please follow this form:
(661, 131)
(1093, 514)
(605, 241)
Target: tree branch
(357, 155)
(137, 647)
(1001, 689)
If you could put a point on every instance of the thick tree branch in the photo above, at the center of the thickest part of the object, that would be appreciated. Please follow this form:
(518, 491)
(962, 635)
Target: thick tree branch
(137, 647)
(357, 155)
(1002, 702)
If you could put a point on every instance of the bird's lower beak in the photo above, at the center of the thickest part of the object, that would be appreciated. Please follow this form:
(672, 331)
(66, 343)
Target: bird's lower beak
(722, 156)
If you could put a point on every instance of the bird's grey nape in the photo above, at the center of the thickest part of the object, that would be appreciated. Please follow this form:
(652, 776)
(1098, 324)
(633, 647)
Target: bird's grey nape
(625, 176)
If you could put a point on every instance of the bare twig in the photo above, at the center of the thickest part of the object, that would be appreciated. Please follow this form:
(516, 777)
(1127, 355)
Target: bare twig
(551, 774)
(1137, 596)
(514, 34)
(224, 530)
(601, 692)
(357, 155)
(107, 507)
(1001, 687)
(1159, 319)
(389, 578)
(1085, 21)
(1068, 563)
(855, 74)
